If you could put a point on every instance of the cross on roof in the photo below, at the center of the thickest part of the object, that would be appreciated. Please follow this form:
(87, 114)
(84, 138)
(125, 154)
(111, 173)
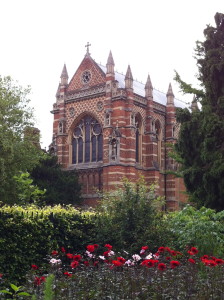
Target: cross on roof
(87, 46)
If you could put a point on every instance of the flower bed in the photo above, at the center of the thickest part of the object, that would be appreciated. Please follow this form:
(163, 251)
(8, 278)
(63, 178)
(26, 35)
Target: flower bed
(100, 273)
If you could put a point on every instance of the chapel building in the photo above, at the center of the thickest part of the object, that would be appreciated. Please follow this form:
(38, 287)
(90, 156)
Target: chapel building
(108, 126)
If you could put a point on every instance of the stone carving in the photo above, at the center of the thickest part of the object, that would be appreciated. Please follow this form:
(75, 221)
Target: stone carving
(99, 105)
(71, 111)
(88, 92)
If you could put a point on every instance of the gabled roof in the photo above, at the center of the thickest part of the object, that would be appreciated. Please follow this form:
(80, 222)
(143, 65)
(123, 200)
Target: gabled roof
(139, 89)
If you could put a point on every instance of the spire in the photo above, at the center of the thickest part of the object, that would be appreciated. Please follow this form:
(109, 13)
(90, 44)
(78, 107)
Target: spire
(194, 104)
(64, 75)
(170, 95)
(148, 87)
(129, 79)
(110, 64)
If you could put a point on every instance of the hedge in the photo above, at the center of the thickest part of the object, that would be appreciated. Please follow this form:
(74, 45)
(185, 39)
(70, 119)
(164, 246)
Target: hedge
(29, 234)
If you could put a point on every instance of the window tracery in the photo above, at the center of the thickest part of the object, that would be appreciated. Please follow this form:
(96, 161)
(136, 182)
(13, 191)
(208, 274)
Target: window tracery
(87, 141)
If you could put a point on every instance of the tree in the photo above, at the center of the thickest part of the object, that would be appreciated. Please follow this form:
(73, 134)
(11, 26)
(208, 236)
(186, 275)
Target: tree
(18, 149)
(131, 216)
(201, 140)
(62, 187)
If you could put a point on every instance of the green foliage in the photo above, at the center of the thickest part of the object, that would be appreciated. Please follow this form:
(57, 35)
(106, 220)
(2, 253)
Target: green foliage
(27, 192)
(62, 187)
(29, 234)
(201, 228)
(129, 217)
(48, 291)
(18, 151)
(201, 140)
(16, 292)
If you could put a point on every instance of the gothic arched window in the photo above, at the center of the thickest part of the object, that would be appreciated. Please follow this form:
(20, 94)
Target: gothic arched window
(87, 141)
(138, 139)
(158, 132)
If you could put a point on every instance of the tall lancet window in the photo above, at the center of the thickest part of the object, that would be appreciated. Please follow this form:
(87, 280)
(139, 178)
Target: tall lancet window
(87, 142)
(138, 139)
(159, 141)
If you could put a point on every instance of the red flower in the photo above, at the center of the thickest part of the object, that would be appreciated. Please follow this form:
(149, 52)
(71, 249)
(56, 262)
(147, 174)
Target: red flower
(161, 266)
(34, 267)
(96, 263)
(173, 252)
(106, 253)
(191, 260)
(86, 263)
(108, 246)
(96, 246)
(69, 255)
(168, 258)
(144, 263)
(39, 280)
(167, 249)
(209, 262)
(192, 251)
(117, 263)
(63, 250)
(219, 261)
(54, 252)
(77, 257)
(212, 263)
(149, 262)
(205, 257)
(121, 259)
(161, 249)
(90, 248)
(145, 247)
(174, 264)
(1, 275)
(68, 274)
(74, 264)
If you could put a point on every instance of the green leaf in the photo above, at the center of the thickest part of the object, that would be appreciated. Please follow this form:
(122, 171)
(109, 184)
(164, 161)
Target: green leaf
(14, 287)
(23, 294)
(5, 292)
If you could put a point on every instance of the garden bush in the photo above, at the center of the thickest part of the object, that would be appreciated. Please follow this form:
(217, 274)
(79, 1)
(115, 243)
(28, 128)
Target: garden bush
(130, 216)
(28, 233)
(203, 228)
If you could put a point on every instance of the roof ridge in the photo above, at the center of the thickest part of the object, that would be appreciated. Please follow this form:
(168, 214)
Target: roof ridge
(156, 89)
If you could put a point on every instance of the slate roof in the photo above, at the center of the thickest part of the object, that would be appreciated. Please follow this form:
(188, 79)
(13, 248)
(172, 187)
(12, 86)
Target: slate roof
(139, 89)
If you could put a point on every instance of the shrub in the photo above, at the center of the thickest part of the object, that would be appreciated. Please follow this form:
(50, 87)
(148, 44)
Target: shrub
(203, 228)
(28, 234)
(130, 216)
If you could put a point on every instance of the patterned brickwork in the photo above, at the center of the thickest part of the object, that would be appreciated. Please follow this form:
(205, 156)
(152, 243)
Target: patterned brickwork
(97, 76)
(83, 107)
(119, 111)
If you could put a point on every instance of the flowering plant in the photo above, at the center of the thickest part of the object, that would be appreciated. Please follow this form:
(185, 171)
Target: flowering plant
(80, 275)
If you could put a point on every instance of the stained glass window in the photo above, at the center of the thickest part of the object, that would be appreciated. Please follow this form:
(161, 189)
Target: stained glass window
(87, 143)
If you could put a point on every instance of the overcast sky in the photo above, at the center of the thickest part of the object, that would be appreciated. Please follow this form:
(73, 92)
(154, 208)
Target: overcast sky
(154, 37)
